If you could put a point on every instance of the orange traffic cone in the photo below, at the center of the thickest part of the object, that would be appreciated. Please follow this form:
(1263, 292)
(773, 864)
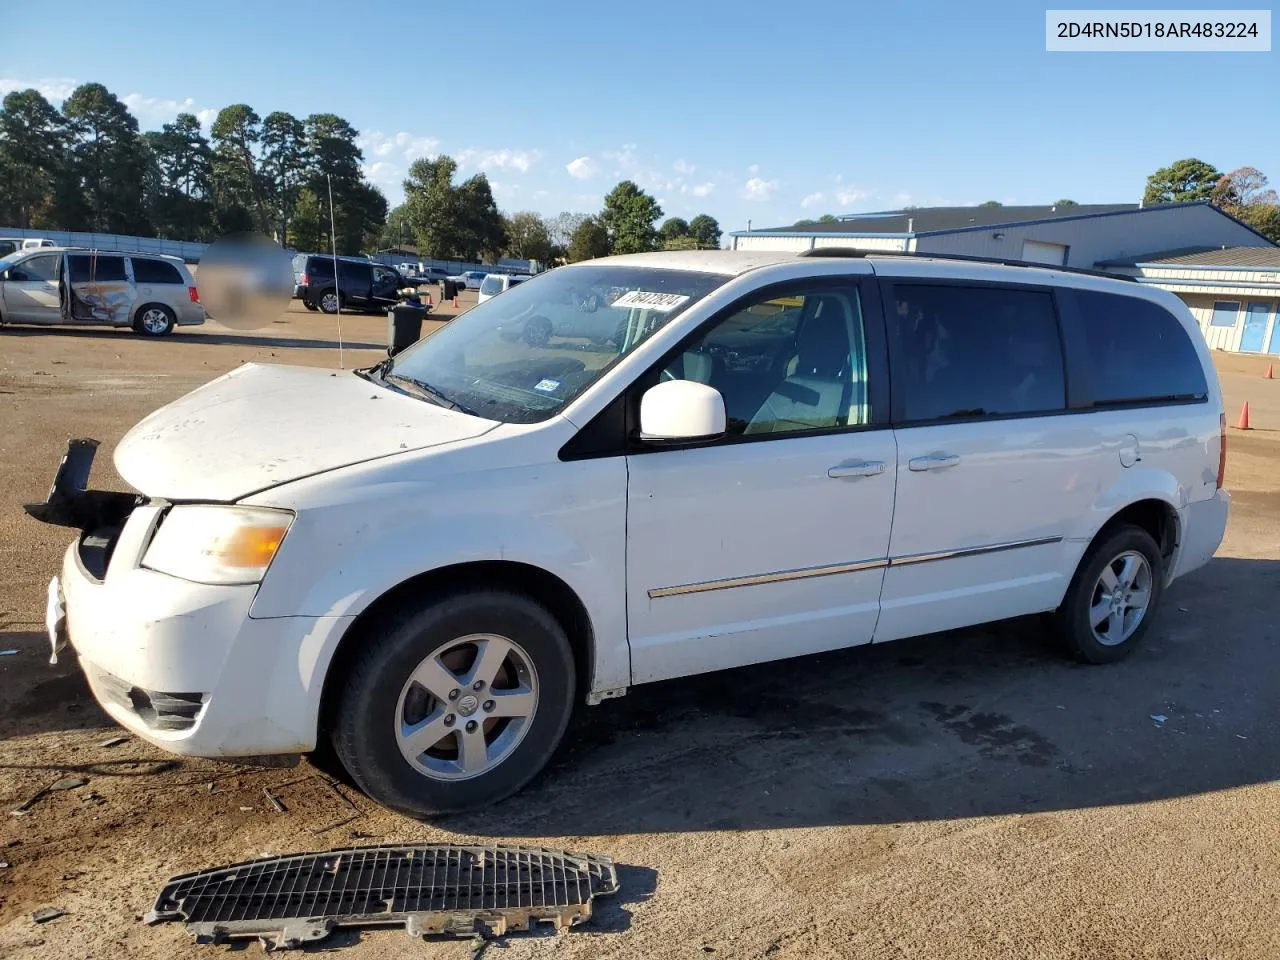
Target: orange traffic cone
(1270, 374)
(1243, 422)
(455, 301)
(429, 300)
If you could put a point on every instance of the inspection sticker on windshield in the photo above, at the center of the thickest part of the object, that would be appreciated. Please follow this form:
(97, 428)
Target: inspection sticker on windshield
(547, 386)
(661, 302)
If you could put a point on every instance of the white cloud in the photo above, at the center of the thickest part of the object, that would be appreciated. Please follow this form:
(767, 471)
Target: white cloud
(207, 116)
(56, 89)
(388, 177)
(407, 145)
(758, 189)
(811, 199)
(702, 189)
(504, 159)
(754, 168)
(584, 168)
(680, 166)
(852, 195)
(153, 111)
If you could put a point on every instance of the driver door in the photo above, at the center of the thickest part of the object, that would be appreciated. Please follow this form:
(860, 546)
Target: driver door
(770, 542)
(386, 284)
(31, 290)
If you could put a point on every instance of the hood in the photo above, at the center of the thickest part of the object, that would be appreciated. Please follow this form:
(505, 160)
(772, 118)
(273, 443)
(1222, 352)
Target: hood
(262, 425)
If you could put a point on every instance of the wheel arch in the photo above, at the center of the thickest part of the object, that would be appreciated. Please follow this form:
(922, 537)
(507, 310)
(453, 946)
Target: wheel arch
(540, 585)
(146, 304)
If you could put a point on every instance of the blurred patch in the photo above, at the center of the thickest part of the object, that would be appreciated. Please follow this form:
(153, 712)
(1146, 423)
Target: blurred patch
(245, 281)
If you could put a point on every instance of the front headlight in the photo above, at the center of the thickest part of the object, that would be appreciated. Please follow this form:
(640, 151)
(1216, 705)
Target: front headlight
(217, 544)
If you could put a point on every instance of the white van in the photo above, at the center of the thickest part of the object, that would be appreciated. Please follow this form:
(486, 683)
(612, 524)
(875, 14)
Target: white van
(496, 283)
(428, 563)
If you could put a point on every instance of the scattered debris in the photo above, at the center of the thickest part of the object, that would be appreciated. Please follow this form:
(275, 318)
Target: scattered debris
(274, 800)
(1159, 719)
(113, 742)
(245, 809)
(1241, 736)
(45, 914)
(465, 891)
(93, 796)
(8, 653)
(68, 783)
(4, 865)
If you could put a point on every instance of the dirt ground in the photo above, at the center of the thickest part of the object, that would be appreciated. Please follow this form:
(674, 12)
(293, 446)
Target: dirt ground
(962, 795)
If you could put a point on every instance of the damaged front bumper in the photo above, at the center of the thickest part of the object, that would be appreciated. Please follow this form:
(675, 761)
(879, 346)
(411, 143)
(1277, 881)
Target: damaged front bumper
(180, 664)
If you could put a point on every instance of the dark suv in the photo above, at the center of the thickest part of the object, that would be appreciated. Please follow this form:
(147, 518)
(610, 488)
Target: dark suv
(362, 284)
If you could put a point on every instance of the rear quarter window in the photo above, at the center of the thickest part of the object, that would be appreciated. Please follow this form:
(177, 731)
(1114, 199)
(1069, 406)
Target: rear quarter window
(1135, 351)
(156, 271)
(491, 286)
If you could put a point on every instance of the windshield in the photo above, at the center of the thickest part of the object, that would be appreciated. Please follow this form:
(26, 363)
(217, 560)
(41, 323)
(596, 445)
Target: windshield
(9, 260)
(521, 357)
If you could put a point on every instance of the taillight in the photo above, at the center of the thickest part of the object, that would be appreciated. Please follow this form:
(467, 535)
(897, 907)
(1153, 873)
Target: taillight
(1222, 448)
(191, 292)
(304, 281)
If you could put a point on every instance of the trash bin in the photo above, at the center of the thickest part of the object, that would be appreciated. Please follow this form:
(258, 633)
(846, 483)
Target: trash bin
(448, 289)
(404, 326)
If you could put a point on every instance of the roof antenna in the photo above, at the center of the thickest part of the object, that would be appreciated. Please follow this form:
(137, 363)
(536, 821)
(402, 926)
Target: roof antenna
(337, 282)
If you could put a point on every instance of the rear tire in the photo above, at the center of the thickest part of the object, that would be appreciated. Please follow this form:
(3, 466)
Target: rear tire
(310, 306)
(1113, 596)
(154, 320)
(329, 301)
(409, 747)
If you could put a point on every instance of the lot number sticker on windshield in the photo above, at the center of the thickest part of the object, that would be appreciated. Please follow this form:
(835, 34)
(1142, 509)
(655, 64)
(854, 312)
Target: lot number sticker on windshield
(661, 302)
(547, 386)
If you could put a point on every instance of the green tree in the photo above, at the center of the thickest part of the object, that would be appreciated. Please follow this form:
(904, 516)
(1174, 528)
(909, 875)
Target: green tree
(991, 203)
(452, 221)
(1065, 203)
(827, 218)
(1181, 182)
(706, 231)
(804, 223)
(180, 181)
(528, 237)
(109, 160)
(237, 137)
(31, 165)
(629, 215)
(589, 240)
(1244, 194)
(306, 230)
(360, 209)
(673, 228)
(284, 164)
(1265, 218)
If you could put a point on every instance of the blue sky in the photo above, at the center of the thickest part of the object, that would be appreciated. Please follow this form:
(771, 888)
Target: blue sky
(744, 110)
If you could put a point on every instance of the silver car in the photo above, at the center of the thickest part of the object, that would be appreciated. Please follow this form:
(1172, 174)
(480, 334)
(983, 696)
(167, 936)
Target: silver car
(148, 292)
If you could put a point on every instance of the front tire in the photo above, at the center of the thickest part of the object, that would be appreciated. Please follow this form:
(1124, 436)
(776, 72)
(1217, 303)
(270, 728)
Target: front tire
(1113, 596)
(455, 705)
(154, 320)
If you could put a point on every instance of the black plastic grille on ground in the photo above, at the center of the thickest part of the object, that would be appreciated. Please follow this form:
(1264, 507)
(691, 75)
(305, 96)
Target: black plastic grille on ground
(430, 889)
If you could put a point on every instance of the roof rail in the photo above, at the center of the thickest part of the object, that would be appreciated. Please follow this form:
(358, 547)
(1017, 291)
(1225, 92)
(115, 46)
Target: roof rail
(963, 257)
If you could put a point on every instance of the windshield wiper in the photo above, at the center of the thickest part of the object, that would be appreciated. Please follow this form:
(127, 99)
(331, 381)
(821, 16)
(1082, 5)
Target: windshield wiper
(374, 372)
(428, 392)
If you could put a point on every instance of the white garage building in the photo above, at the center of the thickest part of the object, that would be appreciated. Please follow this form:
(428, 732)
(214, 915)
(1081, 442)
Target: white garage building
(1226, 271)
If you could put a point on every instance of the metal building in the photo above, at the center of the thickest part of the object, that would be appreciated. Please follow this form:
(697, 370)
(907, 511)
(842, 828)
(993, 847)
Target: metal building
(1234, 292)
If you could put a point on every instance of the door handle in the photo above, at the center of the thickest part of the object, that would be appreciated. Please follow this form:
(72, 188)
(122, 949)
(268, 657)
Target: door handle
(856, 468)
(936, 461)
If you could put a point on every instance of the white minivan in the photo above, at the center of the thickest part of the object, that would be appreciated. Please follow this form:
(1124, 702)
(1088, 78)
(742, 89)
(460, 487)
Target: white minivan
(429, 562)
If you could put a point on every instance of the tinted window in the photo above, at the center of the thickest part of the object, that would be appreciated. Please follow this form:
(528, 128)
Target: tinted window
(1136, 350)
(36, 268)
(1225, 313)
(353, 271)
(88, 268)
(7, 247)
(976, 351)
(786, 364)
(319, 267)
(491, 285)
(155, 271)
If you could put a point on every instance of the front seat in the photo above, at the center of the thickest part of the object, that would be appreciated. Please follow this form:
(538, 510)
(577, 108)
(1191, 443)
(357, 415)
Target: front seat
(816, 391)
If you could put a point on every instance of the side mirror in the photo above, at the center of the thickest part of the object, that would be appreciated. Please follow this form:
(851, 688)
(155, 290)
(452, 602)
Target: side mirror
(681, 410)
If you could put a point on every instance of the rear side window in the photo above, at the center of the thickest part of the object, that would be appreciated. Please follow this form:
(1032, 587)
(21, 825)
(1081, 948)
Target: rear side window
(492, 285)
(985, 351)
(358, 272)
(87, 268)
(155, 271)
(319, 267)
(1136, 351)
